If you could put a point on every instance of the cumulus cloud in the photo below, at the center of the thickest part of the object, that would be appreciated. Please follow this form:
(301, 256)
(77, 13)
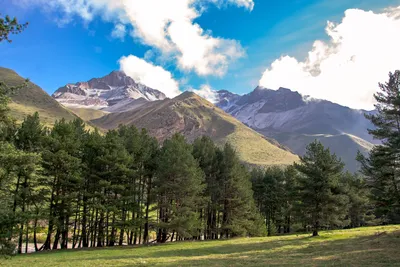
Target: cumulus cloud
(119, 31)
(361, 50)
(171, 29)
(206, 92)
(165, 25)
(150, 75)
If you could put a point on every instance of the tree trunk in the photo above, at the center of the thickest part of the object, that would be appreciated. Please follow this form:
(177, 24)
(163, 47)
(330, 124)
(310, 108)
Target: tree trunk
(34, 232)
(56, 239)
(100, 235)
(146, 224)
(84, 238)
(316, 228)
(121, 233)
(27, 237)
(47, 243)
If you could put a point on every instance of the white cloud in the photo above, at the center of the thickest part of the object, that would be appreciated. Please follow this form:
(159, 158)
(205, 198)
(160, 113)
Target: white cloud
(171, 29)
(248, 4)
(165, 25)
(150, 75)
(119, 31)
(362, 49)
(206, 92)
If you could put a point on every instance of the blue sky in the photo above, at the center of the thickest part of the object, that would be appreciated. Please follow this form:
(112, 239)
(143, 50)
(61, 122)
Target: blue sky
(52, 53)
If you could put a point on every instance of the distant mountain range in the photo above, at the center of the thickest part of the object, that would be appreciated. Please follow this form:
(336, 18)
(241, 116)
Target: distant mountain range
(267, 127)
(295, 121)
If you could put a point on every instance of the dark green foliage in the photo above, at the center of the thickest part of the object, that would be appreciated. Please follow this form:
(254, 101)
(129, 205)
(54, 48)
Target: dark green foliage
(179, 186)
(360, 208)
(29, 136)
(275, 195)
(10, 26)
(238, 206)
(382, 167)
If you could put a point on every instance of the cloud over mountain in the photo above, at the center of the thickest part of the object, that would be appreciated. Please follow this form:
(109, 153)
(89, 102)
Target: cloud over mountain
(347, 68)
(150, 75)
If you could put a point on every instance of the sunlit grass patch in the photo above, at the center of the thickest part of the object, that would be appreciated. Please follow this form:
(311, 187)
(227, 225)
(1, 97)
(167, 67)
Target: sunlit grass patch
(369, 246)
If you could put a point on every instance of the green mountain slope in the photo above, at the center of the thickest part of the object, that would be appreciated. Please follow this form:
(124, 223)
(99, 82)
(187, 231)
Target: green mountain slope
(87, 114)
(194, 116)
(31, 99)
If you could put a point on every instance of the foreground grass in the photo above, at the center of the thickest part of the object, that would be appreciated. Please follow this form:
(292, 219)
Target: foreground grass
(370, 246)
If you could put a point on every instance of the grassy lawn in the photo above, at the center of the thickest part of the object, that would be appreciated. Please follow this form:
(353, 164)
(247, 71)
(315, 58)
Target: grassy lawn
(370, 246)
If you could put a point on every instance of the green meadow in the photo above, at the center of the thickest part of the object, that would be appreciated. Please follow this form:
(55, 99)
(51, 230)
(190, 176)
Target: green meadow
(369, 246)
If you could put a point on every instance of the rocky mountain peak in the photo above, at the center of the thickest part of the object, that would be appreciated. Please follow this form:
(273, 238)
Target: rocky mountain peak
(105, 91)
(114, 79)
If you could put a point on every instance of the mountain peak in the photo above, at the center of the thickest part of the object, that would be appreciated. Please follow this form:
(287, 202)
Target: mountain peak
(189, 96)
(105, 91)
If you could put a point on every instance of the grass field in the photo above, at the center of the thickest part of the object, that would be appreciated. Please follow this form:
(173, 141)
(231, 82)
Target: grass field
(370, 246)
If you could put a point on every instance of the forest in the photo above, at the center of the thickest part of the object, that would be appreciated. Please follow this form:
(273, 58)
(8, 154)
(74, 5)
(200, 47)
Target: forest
(71, 187)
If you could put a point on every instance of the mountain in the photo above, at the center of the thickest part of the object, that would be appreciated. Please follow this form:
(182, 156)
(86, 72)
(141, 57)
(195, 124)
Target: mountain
(226, 99)
(32, 98)
(295, 121)
(194, 116)
(105, 92)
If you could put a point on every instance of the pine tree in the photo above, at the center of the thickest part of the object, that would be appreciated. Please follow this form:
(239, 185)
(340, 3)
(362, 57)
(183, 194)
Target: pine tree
(239, 213)
(9, 26)
(62, 171)
(382, 167)
(360, 209)
(322, 202)
(209, 157)
(30, 135)
(8, 153)
(180, 185)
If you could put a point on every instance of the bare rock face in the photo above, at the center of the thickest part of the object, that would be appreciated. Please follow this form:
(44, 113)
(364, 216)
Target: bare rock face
(105, 92)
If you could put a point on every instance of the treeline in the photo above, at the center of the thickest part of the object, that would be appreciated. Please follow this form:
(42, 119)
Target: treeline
(80, 188)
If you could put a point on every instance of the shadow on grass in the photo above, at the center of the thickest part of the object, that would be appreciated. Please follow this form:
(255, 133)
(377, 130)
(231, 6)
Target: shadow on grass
(371, 250)
(303, 250)
(360, 251)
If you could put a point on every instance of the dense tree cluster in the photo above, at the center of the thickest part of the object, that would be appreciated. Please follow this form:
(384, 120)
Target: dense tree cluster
(79, 188)
(313, 194)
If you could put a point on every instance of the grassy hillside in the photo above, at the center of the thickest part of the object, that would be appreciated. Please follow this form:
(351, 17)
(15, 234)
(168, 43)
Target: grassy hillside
(370, 246)
(88, 114)
(31, 99)
(193, 116)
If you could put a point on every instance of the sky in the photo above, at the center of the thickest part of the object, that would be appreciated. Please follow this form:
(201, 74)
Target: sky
(336, 50)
